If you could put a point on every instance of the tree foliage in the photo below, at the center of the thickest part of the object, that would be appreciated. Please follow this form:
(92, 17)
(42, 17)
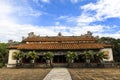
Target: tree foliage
(89, 54)
(3, 53)
(115, 48)
(71, 55)
(48, 55)
(18, 55)
(33, 55)
(101, 56)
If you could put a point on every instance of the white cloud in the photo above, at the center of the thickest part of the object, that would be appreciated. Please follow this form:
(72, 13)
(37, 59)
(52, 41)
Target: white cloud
(62, 17)
(75, 1)
(27, 10)
(93, 12)
(16, 31)
(34, 13)
(81, 20)
(115, 35)
(84, 19)
(11, 30)
(104, 9)
(20, 8)
(5, 9)
(36, 1)
(45, 1)
(57, 23)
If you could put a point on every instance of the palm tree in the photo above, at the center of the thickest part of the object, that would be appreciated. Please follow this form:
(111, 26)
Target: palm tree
(102, 56)
(48, 56)
(18, 56)
(33, 55)
(70, 56)
(89, 55)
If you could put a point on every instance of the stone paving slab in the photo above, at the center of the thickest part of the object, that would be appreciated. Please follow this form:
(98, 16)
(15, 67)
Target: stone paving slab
(58, 74)
(23, 74)
(95, 74)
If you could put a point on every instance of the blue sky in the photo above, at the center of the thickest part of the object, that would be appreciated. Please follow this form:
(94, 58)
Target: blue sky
(48, 17)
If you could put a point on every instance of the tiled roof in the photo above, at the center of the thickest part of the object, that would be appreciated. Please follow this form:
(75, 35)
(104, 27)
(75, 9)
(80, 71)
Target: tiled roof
(58, 46)
(13, 46)
(107, 45)
(61, 38)
(33, 42)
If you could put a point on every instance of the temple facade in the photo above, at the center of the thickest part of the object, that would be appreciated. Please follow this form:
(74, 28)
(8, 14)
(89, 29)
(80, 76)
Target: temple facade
(59, 45)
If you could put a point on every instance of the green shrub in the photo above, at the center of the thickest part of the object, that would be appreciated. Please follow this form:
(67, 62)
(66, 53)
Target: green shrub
(118, 63)
(1, 65)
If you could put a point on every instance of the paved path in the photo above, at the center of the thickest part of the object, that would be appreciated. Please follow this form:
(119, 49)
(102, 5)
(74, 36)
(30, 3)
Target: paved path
(58, 74)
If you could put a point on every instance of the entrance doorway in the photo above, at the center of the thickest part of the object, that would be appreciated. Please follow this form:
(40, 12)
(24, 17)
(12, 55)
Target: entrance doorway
(59, 59)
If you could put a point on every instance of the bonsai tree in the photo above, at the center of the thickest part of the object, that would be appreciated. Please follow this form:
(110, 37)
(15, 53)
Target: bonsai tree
(33, 55)
(89, 55)
(70, 56)
(101, 56)
(18, 56)
(48, 56)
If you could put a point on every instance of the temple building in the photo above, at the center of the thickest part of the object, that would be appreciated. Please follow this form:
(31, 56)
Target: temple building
(59, 45)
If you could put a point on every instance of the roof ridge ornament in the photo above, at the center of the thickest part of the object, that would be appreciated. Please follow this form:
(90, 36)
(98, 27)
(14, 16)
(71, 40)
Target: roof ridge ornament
(59, 34)
(88, 34)
(31, 34)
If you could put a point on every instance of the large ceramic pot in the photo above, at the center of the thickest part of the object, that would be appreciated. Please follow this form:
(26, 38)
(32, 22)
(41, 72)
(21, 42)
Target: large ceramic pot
(47, 61)
(32, 61)
(17, 61)
(88, 60)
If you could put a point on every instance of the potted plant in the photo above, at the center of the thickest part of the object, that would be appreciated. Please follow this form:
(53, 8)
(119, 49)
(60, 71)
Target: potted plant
(48, 56)
(18, 56)
(70, 56)
(88, 56)
(33, 55)
(101, 56)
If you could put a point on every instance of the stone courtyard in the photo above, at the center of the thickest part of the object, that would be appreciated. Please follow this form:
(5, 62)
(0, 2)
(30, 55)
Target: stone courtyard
(23, 74)
(76, 73)
(95, 74)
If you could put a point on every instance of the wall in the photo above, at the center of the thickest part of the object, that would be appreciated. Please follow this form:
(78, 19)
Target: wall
(109, 52)
(11, 60)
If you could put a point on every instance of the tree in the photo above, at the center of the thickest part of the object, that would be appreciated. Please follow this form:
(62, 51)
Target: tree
(115, 46)
(48, 56)
(3, 53)
(33, 55)
(102, 56)
(116, 50)
(89, 55)
(18, 56)
(70, 56)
